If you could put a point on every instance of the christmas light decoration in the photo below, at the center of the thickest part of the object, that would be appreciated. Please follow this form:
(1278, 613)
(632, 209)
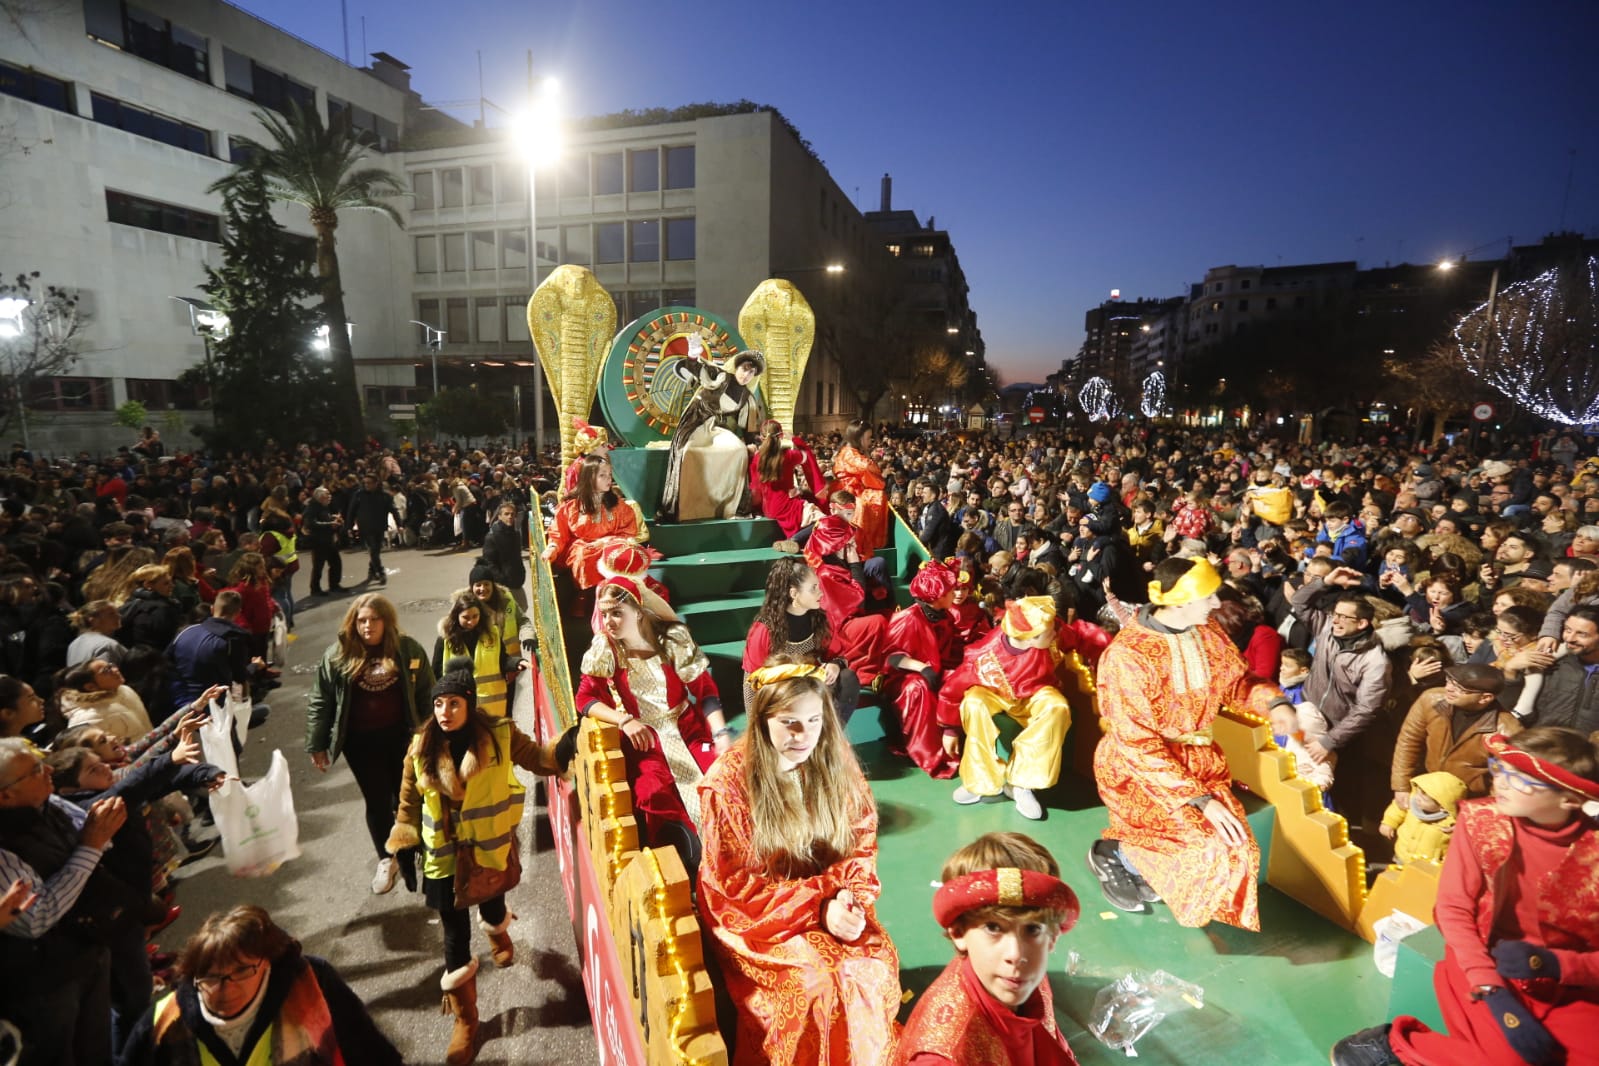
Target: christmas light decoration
(1540, 344)
(1153, 403)
(1097, 400)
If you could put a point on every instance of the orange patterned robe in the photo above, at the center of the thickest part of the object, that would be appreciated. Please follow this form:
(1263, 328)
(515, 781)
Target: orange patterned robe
(802, 995)
(857, 473)
(576, 541)
(1159, 693)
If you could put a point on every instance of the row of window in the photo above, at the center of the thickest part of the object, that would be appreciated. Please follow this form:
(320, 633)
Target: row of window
(123, 116)
(36, 88)
(636, 241)
(149, 36)
(492, 319)
(584, 174)
(132, 210)
(1243, 305)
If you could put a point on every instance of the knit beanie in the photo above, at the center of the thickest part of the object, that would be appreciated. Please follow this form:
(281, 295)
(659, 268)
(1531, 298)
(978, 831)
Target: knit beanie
(457, 681)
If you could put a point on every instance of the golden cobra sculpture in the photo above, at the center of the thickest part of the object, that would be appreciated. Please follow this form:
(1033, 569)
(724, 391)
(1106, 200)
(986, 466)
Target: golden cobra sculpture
(572, 319)
(777, 320)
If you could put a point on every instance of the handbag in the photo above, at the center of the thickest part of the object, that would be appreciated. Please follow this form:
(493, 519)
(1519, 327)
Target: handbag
(476, 884)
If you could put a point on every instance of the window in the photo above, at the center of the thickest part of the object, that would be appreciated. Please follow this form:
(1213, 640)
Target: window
(368, 128)
(427, 255)
(680, 238)
(642, 303)
(549, 246)
(816, 408)
(142, 123)
(643, 170)
(1271, 303)
(513, 249)
(483, 250)
(516, 319)
(513, 184)
(644, 241)
(482, 186)
(680, 167)
(893, 250)
(488, 318)
(607, 173)
(249, 79)
(239, 151)
(70, 394)
(832, 398)
(608, 243)
(457, 322)
(1244, 284)
(677, 298)
(162, 218)
(454, 252)
(38, 88)
(452, 190)
(422, 190)
(575, 175)
(426, 311)
(148, 36)
(579, 245)
(161, 394)
(1243, 305)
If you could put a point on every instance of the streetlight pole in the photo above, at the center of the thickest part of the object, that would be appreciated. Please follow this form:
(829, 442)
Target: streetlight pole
(433, 337)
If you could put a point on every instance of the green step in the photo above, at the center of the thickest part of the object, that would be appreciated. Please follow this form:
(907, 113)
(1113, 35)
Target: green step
(716, 534)
(704, 574)
(723, 618)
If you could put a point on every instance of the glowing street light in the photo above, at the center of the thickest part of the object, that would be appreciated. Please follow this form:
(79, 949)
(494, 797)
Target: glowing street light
(835, 268)
(319, 339)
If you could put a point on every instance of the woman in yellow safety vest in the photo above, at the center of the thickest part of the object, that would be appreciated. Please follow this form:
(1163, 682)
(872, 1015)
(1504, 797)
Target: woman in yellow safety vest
(460, 797)
(247, 996)
(516, 624)
(471, 631)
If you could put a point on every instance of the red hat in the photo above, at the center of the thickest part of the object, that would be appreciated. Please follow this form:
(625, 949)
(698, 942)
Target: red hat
(933, 582)
(624, 559)
(1504, 748)
(831, 535)
(1005, 887)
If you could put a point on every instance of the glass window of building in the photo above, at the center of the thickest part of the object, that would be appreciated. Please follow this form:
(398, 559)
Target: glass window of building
(136, 120)
(482, 186)
(608, 243)
(488, 318)
(642, 303)
(513, 183)
(575, 175)
(677, 298)
(516, 319)
(644, 241)
(680, 238)
(643, 170)
(422, 190)
(149, 36)
(457, 320)
(454, 252)
(549, 247)
(513, 249)
(427, 255)
(578, 244)
(680, 167)
(483, 250)
(607, 173)
(452, 190)
(38, 88)
(426, 311)
(153, 215)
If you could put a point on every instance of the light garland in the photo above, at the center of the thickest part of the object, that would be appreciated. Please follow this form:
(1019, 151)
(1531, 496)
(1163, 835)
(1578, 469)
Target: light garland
(1097, 400)
(1541, 347)
(1153, 402)
(676, 1008)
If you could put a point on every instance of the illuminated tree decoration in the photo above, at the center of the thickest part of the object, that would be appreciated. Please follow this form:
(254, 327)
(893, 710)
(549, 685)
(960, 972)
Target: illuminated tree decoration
(1097, 400)
(1541, 348)
(1153, 402)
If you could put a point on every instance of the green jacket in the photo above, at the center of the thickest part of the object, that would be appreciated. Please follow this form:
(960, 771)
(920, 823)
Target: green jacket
(326, 712)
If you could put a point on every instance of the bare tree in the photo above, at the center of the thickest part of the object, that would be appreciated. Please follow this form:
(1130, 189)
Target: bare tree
(40, 336)
(1438, 383)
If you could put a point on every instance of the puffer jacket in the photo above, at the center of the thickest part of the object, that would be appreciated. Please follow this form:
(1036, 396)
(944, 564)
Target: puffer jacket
(121, 713)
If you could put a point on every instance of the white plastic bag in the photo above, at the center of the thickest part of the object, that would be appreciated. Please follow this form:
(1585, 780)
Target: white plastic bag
(1123, 1012)
(240, 707)
(257, 822)
(278, 641)
(216, 738)
(1389, 932)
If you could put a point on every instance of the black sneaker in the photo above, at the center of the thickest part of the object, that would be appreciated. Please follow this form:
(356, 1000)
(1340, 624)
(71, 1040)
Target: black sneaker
(1369, 1047)
(1120, 888)
(1146, 891)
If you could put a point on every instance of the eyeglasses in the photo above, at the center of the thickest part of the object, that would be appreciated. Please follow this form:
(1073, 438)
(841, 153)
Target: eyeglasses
(1346, 616)
(1517, 780)
(237, 977)
(38, 768)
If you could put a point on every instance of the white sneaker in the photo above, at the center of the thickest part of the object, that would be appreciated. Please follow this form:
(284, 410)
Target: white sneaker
(383, 880)
(1027, 804)
(964, 796)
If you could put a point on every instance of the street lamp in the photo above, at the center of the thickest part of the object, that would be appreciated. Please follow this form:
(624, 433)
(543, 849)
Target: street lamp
(11, 309)
(434, 339)
(206, 322)
(537, 134)
(319, 338)
(1488, 329)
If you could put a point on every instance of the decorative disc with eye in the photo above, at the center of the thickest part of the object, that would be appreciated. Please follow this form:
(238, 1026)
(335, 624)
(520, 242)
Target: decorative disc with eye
(642, 399)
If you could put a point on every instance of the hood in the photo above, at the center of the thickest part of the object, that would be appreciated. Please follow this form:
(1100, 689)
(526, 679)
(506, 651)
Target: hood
(1444, 787)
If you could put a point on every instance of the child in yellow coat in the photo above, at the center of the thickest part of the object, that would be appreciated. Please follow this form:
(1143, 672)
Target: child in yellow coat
(1423, 831)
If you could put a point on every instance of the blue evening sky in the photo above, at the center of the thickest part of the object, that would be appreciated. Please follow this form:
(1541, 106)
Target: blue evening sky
(1072, 148)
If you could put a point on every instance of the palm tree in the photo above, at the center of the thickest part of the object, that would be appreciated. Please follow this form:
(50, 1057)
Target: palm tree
(318, 166)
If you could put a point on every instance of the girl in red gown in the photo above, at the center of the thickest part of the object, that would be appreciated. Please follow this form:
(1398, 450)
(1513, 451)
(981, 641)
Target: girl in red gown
(792, 624)
(853, 469)
(592, 518)
(784, 480)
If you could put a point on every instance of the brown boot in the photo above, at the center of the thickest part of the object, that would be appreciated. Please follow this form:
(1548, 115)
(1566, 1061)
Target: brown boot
(500, 945)
(460, 999)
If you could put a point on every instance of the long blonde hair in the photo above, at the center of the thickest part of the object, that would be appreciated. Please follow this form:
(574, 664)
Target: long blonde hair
(113, 580)
(352, 650)
(804, 819)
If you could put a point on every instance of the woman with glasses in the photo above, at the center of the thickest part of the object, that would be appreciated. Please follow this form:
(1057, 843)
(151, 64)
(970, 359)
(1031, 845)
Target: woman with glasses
(1519, 981)
(247, 994)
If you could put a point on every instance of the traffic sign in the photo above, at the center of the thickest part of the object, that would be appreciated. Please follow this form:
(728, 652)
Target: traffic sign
(1035, 415)
(1482, 412)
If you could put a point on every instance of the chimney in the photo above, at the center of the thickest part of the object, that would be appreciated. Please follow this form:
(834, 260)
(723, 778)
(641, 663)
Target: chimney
(888, 194)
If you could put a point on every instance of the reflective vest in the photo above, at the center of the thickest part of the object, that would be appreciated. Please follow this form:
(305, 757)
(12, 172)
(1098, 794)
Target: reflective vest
(489, 814)
(488, 670)
(302, 1031)
(286, 548)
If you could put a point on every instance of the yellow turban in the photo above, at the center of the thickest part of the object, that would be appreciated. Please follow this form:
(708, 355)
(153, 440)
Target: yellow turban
(1200, 581)
(770, 675)
(1026, 618)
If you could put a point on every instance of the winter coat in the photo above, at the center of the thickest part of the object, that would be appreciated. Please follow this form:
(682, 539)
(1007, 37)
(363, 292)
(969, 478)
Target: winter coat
(120, 713)
(1427, 743)
(1348, 683)
(150, 619)
(503, 548)
(327, 709)
(212, 652)
(1418, 839)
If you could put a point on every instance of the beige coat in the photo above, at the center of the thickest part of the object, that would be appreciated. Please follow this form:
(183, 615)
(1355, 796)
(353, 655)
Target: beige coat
(120, 713)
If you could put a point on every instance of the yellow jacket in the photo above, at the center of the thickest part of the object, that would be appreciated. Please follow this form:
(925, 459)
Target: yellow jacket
(1426, 840)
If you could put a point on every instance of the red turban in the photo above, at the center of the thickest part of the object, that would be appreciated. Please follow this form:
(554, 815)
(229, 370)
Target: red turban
(933, 582)
(1005, 887)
